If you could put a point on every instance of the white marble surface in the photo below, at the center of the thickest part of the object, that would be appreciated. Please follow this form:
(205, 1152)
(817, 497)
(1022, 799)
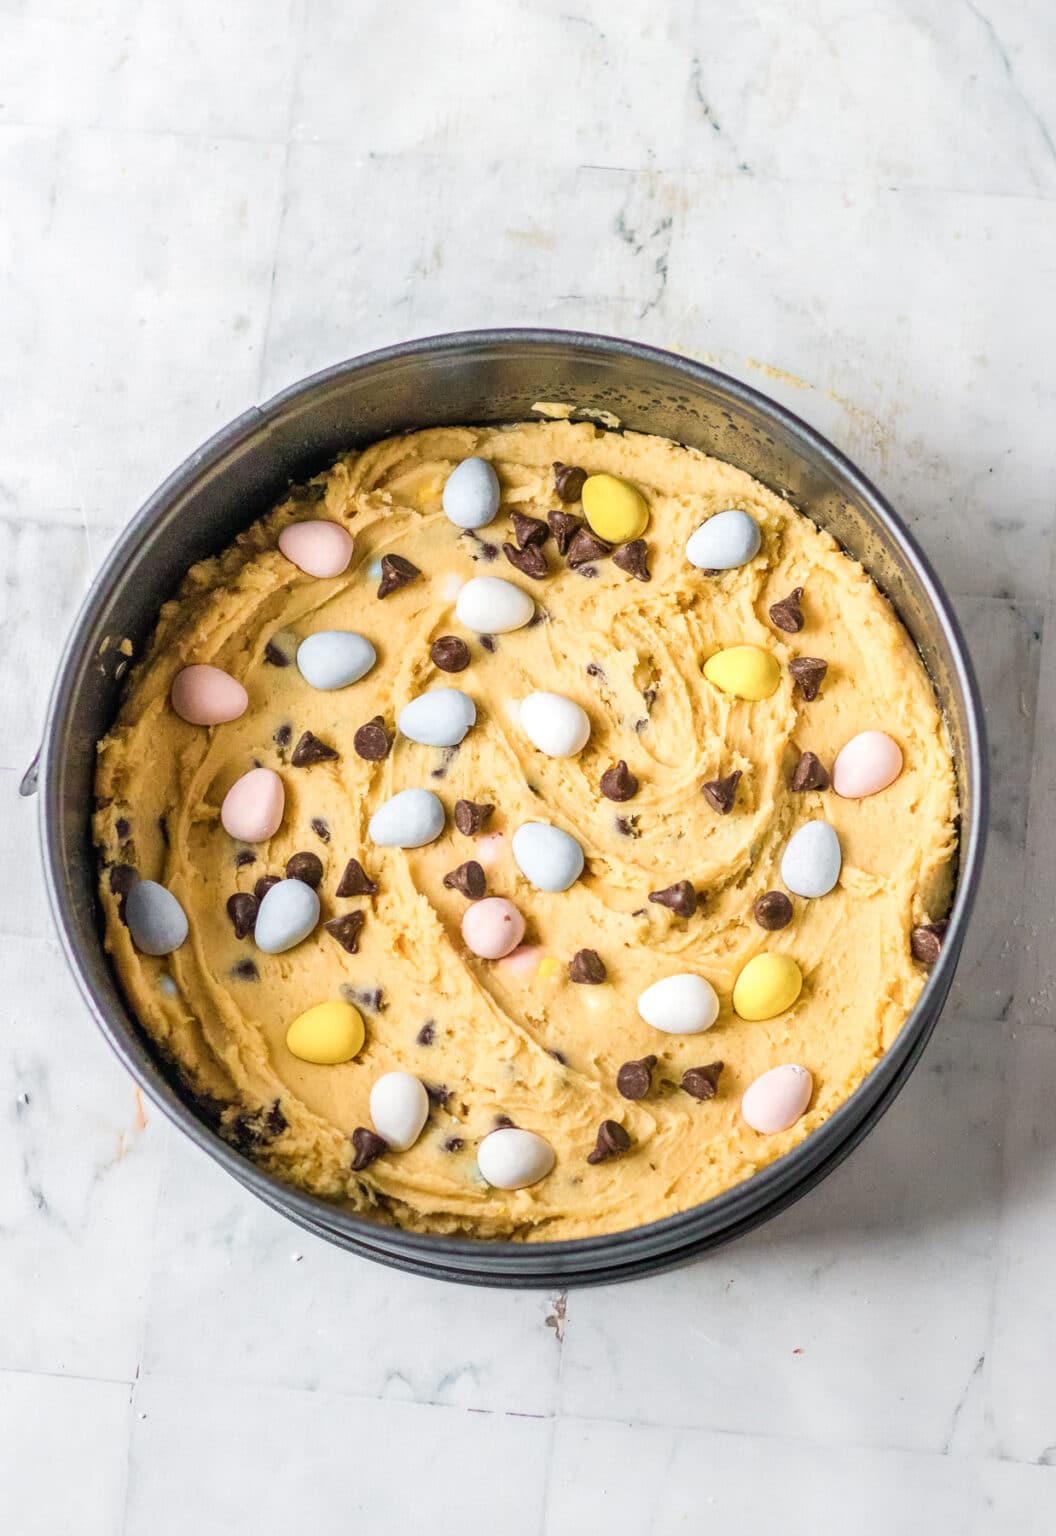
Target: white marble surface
(853, 207)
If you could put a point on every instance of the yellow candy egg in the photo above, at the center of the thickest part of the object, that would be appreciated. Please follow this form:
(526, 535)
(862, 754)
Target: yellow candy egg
(767, 986)
(746, 671)
(548, 968)
(326, 1034)
(615, 509)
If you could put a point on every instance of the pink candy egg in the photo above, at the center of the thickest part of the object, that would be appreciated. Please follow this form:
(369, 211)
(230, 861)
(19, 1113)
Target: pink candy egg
(319, 548)
(492, 928)
(868, 763)
(207, 696)
(253, 806)
(489, 849)
(524, 960)
(777, 1099)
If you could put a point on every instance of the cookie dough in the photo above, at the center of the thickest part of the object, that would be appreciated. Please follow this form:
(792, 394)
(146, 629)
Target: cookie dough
(517, 1039)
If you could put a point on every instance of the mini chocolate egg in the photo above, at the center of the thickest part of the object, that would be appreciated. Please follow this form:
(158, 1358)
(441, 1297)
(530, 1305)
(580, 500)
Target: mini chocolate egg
(439, 718)
(725, 541)
(867, 764)
(492, 928)
(556, 725)
(327, 1034)
(334, 658)
(550, 859)
(471, 494)
(812, 860)
(491, 606)
(253, 807)
(318, 547)
(409, 819)
(204, 695)
(684, 1004)
(616, 510)
(745, 671)
(399, 1108)
(156, 921)
(777, 1099)
(766, 986)
(512, 1159)
(286, 916)
(523, 961)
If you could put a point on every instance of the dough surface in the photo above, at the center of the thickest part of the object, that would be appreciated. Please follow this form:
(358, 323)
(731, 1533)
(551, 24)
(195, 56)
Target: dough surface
(535, 1047)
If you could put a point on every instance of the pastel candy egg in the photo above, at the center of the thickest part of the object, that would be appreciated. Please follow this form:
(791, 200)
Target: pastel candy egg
(550, 859)
(684, 1004)
(471, 494)
(512, 1159)
(318, 548)
(524, 960)
(204, 695)
(556, 725)
(399, 1108)
(775, 1101)
(334, 658)
(746, 671)
(766, 986)
(327, 1034)
(492, 928)
(725, 541)
(253, 806)
(439, 718)
(287, 915)
(868, 763)
(812, 860)
(156, 921)
(615, 509)
(410, 819)
(492, 606)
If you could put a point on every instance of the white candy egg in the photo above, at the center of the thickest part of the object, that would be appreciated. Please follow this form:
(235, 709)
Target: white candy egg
(726, 540)
(439, 718)
(410, 819)
(492, 606)
(333, 658)
(811, 863)
(156, 921)
(556, 725)
(684, 1004)
(471, 494)
(777, 1099)
(551, 859)
(399, 1108)
(513, 1159)
(287, 915)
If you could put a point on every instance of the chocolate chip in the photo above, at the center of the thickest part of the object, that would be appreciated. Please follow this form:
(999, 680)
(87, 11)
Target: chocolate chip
(810, 773)
(612, 1140)
(787, 614)
(471, 817)
(282, 736)
(503, 1122)
(680, 897)
(355, 881)
(427, 1034)
(772, 910)
(122, 878)
(627, 826)
(925, 942)
(264, 885)
(635, 1078)
(320, 828)
(163, 829)
(488, 642)
(564, 527)
(585, 548)
(593, 670)
(306, 492)
(721, 793)
(452, 1144)
(450, 654)
(242, 910)
(703, 1082)
(587, 966)
(367, 1148)
(372, 741)
(307, 867)
(437, 1094)
(558, 1056)
(275, 656)
(370, 1000)
(809, 672)
(396, 572)
(346, 929)
(633, 558)
(123, 828)
(529, 530)
(529, 561)
(619, 783)
(569, 481)
(309, 750)
(243, 857)
(246, 970)
(468, 879)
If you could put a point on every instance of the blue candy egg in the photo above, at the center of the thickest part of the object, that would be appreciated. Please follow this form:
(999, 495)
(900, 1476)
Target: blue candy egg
(439, 718)
(726, 540)
(288, 914)
(334, 658)
(548, 858)
(156, 921)
(471, 494)
(410, 819)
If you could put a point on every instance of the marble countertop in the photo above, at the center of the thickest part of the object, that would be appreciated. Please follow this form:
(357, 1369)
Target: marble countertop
(852, 207)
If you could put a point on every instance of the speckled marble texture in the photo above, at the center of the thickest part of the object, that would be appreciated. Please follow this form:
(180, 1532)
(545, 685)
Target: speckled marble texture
(853, 208)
